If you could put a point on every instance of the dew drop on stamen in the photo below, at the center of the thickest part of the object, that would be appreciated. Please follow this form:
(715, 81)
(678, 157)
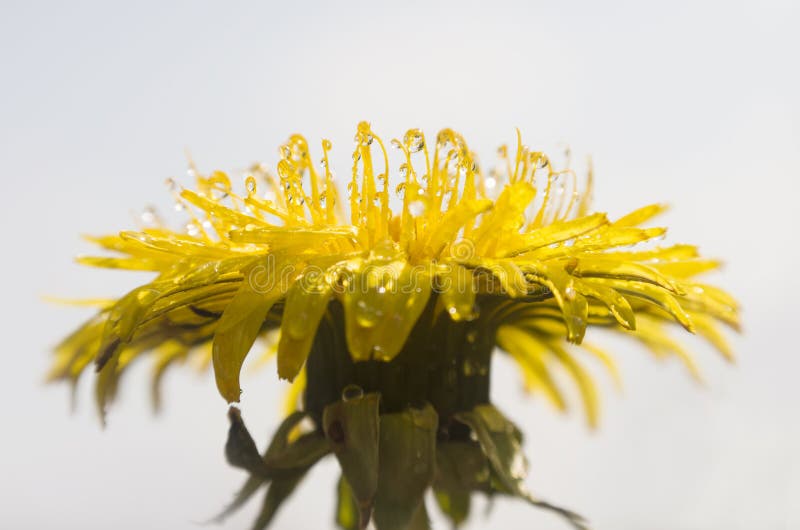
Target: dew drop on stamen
(148, 216)
(416, 208)
(250, 184)
(171, 184)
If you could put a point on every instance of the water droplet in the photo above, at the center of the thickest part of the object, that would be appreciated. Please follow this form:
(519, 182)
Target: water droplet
(352, 392)
(149, 216)
(468, 368)
(192, 229)
(490, 183)
(179, 207)
(381, 289)
(367, 316)
(250, 184)
(518, 466)
(416, 208)
(414, 140)
(570, 292)
(171, 184)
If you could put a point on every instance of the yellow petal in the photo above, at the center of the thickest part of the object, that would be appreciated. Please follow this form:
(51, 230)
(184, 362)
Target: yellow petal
(528, 353)
(306, 302)
(641, 215)
(236, 332)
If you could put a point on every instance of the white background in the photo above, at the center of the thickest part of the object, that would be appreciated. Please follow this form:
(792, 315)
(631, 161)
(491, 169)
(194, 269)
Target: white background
(692, 103)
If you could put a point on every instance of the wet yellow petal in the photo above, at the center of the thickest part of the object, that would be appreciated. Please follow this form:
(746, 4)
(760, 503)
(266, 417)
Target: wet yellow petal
(236, 332)
(306, 302)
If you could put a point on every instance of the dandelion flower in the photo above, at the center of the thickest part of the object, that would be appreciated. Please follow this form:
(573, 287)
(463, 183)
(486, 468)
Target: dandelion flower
(384, 306)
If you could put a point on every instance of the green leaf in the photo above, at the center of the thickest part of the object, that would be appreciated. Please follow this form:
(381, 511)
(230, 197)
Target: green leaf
(407, 467)
(351, 427)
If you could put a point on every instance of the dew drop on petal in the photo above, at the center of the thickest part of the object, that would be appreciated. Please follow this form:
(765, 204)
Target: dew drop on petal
(570, 292)
(250, 184)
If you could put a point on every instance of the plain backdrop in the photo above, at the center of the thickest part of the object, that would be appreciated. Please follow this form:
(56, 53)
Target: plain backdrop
(696, 104)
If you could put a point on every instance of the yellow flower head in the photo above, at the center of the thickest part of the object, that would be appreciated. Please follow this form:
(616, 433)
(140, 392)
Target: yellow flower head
(389, 302)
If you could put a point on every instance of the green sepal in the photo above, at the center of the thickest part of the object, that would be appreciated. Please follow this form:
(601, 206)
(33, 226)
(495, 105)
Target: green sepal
(501, 442)
(283, 464)
(346, 506)
(240, 449)
(407, 466)
(420, 519)
(279, 490)
(352, 429)
(461, 468)
(295, 461)
(455, 504)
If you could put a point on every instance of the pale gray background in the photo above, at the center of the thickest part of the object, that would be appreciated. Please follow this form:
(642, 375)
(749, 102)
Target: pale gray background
(693, 103)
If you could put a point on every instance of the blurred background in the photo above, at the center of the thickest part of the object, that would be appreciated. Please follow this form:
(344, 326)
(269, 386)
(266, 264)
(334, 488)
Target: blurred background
(695, 104)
